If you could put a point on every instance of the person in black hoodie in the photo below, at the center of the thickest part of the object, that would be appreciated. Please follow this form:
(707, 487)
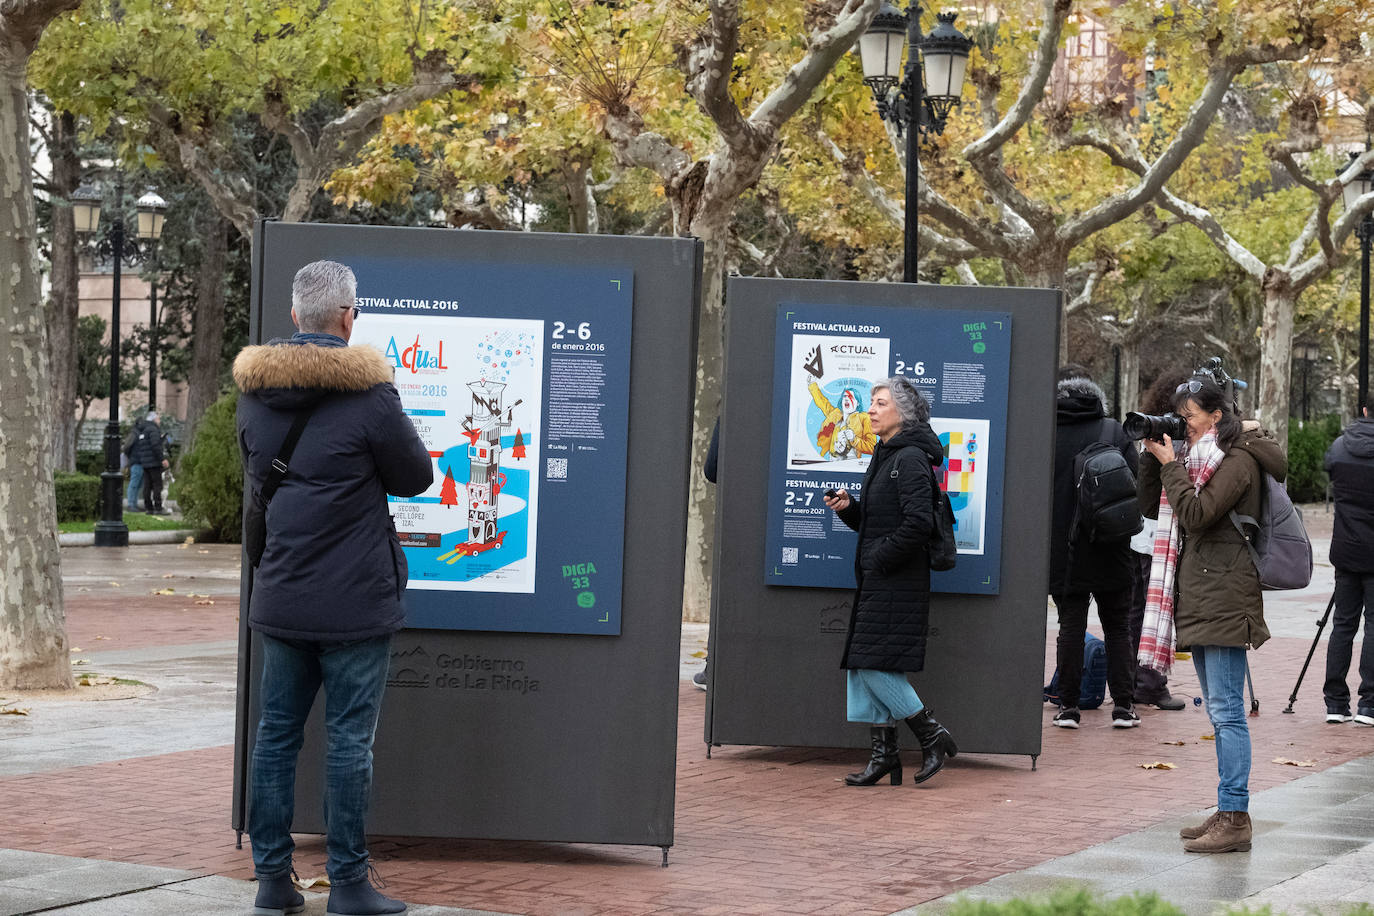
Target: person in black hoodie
(328, 591)
(1350, 462)
(890, 616)
(1081, 569)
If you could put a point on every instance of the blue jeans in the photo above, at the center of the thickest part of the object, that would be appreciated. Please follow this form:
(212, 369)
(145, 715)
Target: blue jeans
(1354, 594)
(880, 697)
(1221, 671)
(354, 676)
(135, 485)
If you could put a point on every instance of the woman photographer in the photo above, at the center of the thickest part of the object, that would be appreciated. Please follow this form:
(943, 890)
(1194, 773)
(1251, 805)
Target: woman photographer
(1215, 603)
(890, 617)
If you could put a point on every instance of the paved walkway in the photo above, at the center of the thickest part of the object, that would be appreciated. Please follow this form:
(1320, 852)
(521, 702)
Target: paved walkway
(122, 807)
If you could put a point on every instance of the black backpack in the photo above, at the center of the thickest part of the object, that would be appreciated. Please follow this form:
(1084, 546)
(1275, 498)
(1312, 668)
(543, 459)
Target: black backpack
(944, 553)
(1107, 510)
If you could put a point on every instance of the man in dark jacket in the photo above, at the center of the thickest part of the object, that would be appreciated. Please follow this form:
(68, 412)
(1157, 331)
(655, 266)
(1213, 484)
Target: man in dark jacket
(1081, 569)
(327, 593)
(145, 450)
(1350, 462)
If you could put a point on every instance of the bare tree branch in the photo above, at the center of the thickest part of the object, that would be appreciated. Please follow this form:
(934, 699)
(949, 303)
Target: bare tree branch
(801, 81)
(23, 21)
(230, 193)
(710, 65)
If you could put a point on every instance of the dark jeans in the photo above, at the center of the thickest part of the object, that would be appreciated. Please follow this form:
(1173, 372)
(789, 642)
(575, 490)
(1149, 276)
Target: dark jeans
(1150, 685)
(152, 488)
(1113, 609)
(353, 675)
(1354, 591)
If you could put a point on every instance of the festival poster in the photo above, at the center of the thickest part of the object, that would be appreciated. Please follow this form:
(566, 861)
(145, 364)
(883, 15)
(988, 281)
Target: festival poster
(472, 387)
(517, 380)
(826, 362)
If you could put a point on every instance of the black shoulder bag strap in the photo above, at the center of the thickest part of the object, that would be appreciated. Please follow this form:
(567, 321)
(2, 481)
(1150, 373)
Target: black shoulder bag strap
(279, 464)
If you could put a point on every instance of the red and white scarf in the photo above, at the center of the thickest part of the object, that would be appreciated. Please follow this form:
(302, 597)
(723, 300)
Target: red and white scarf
(1157, 630)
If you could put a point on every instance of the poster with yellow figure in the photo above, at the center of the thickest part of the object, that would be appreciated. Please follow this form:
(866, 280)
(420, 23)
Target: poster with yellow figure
(829, 401)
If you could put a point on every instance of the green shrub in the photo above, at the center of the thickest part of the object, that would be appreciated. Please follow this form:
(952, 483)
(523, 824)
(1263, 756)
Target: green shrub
(210, 482)
(90, 462)
(1307, 445)
(78, 496)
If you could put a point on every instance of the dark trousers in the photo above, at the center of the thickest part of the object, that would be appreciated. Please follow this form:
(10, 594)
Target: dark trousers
(152, 488)
(1150, 685)
(1354, 593)
(1113, 610)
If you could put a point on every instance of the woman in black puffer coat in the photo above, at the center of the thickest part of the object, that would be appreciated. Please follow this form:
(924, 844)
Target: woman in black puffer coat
(888, 624)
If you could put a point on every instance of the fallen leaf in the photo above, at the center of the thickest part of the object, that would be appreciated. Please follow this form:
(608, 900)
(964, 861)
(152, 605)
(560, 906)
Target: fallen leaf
(190, 539)
(115, 584)
(306, 883)
(194, 595)
(102, 637)
(1157, 765)
(164, 591)
(698, 655)
(1174, 743)
(169, 575)
(77, 649)
(83, 589)
(81, 661)
(1183, 656)
(1208, 737)
(204, 601)
(1295, 763)
(13, 711)
(202, 551)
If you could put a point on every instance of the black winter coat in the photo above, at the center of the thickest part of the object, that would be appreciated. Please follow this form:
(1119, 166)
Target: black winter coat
(894, 519)
(145, 444)
(1350, 462)
(333, 569)
(1079, 566)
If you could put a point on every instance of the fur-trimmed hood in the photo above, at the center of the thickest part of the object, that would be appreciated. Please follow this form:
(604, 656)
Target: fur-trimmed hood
(1079, 399)
(289, 373)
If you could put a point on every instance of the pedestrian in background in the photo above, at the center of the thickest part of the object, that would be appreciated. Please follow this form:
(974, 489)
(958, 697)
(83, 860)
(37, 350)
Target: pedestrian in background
(327, 594)
(1214, 601)
(1151, 684)
(891, 614)
(147, 451)
(135, 487)
(1084, 570)
(1350, 463)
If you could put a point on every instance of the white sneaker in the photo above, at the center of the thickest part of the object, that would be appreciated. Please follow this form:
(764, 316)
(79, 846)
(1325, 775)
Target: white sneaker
(1124, 717)
(1364, 717)
(1336, 718)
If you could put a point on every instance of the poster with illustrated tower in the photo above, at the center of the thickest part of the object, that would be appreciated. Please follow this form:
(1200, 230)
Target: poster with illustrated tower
(517, 383)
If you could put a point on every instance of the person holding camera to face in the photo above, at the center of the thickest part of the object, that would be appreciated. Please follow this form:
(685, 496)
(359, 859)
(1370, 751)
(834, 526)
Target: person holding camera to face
(1203, 582)
(890, 616)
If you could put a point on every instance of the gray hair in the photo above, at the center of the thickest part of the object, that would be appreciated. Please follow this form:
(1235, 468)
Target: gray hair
(320, 293)
(908, 401)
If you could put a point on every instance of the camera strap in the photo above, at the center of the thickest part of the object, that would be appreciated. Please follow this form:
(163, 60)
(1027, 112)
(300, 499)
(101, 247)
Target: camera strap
(280, 464)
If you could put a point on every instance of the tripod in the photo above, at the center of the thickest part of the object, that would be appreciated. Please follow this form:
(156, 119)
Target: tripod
(1301, 674)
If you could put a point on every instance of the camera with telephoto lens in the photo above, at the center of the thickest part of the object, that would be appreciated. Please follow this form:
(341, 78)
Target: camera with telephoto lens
(1146, 426)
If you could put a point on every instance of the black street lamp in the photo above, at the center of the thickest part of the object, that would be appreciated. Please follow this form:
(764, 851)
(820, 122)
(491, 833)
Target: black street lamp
(1308, 353)
(151, 211)
(111, 531)
(925, 97)
(1352, 192)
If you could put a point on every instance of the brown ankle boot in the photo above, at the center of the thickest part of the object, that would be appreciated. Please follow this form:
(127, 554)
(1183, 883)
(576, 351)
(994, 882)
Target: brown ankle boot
(1230, 833)
(1192, 833)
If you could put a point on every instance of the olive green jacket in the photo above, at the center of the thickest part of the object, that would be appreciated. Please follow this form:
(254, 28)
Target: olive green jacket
(1218, 600)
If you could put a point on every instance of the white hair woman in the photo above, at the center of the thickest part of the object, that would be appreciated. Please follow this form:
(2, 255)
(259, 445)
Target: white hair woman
(890, 617)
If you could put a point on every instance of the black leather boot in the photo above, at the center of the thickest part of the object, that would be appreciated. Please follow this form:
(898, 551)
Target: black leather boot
(936, 743)
(885, 759)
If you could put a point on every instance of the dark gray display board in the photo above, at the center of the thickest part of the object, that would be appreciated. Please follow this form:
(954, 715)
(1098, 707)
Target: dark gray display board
(775, 651)
(526, 735)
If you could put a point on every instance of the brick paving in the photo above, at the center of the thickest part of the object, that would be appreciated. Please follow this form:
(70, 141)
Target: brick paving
(758, 830)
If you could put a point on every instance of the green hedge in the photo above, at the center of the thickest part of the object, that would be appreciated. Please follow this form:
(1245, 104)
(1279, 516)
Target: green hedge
(210, 481)
(1307, 445)
(78, 496)
(90, 462)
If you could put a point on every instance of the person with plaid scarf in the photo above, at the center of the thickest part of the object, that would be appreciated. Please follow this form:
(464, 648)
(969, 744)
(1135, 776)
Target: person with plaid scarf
(1204, 590)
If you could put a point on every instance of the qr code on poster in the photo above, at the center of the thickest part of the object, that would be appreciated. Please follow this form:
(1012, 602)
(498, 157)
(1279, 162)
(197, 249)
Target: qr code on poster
(557, 469)
(789, 555)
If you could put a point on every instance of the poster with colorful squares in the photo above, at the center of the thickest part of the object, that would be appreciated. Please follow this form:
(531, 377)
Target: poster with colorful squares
(959, 359)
